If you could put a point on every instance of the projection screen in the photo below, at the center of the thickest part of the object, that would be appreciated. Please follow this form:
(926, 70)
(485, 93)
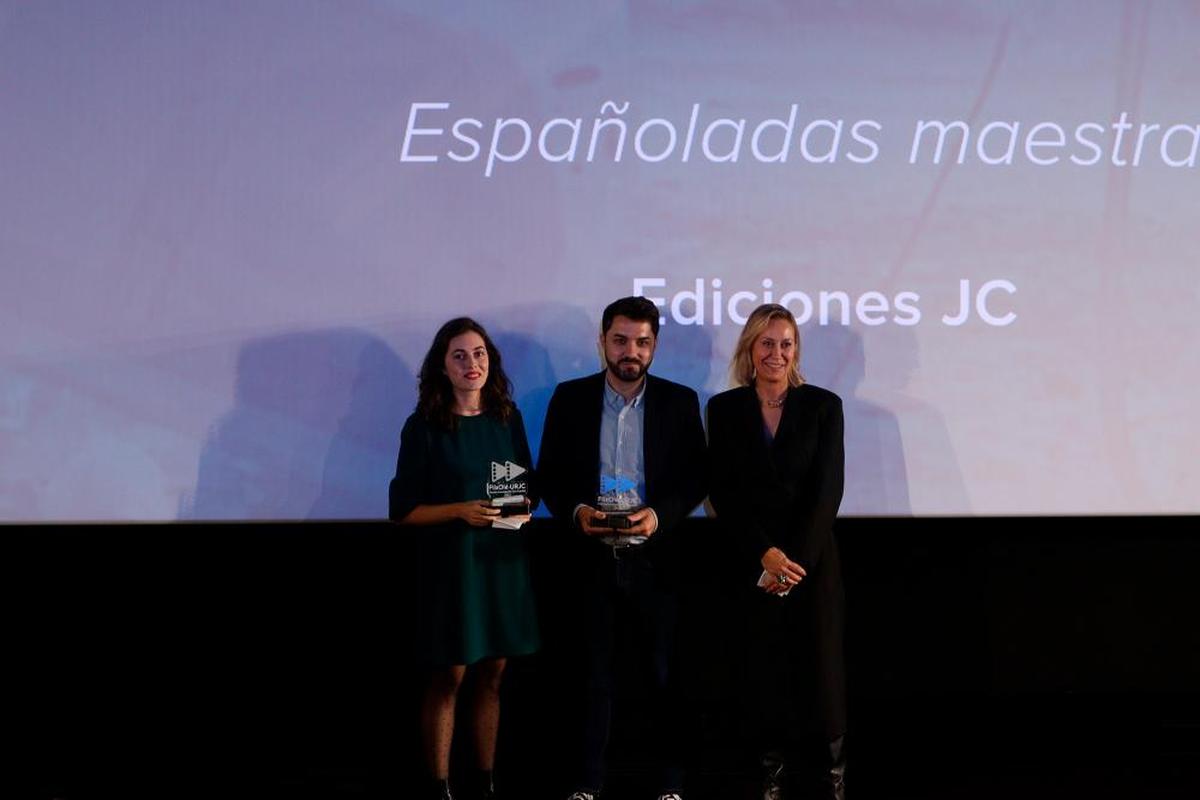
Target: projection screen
(228, 231)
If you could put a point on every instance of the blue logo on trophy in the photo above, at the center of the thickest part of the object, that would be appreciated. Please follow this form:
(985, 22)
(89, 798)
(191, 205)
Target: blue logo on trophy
(616, 486)
(618, 499)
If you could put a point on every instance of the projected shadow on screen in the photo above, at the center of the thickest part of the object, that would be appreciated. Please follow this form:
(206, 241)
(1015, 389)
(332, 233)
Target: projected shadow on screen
(543, 345)
(312, 434)
(527, 364)
(833, 357)
(684, 355)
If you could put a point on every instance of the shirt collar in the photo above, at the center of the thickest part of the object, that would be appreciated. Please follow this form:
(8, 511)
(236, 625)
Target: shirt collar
(616, 401)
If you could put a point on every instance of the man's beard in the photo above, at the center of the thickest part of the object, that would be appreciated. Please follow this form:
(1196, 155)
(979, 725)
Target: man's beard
(628, 370)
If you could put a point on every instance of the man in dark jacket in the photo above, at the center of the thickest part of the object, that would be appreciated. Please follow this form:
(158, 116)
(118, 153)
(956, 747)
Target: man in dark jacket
(622, 462)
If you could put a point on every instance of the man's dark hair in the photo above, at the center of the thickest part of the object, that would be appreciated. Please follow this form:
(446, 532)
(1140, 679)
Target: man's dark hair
(638, 309)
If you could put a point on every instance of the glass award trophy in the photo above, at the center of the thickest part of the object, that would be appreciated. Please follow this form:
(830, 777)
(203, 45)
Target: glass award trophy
(618, 498)
(508, 492)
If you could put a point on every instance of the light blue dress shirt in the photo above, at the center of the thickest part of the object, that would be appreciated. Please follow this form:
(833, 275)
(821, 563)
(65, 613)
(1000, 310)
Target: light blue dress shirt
(622, 461)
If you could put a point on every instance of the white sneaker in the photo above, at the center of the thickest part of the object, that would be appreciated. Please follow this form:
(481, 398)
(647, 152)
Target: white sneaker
(581, 796)
(671, 796)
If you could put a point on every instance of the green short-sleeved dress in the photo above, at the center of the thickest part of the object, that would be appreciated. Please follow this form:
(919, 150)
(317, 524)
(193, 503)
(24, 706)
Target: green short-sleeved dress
(475, 587)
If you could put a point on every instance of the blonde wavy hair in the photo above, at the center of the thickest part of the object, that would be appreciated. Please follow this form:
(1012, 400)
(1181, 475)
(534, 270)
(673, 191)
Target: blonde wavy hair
(741, 368)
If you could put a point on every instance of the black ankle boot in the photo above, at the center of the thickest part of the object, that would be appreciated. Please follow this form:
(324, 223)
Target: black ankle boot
(483, 787)
(819, 770)
(439, 789)
(773, 775)
(834, 781)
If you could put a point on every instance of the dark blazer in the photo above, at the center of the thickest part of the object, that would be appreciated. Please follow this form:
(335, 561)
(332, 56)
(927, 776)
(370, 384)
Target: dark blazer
(672, 448)
(786, 494)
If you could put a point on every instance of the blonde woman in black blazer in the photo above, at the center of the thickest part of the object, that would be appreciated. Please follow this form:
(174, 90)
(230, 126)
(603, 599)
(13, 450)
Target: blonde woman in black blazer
(776, 473)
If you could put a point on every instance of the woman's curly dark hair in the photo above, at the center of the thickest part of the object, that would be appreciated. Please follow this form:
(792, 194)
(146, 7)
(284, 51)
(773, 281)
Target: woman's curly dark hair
(435, 395)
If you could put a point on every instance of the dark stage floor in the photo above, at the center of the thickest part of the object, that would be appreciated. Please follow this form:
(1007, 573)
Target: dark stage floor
(985, 659)
(1091, 747)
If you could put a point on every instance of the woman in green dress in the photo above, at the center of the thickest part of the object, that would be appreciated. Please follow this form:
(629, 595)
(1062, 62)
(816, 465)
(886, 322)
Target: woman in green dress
(463, 448)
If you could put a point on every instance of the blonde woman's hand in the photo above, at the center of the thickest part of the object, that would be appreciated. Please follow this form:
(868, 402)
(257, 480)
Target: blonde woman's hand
(777, 564)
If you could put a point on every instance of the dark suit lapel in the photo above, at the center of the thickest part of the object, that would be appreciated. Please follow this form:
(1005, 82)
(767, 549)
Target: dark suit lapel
(589, 433)
(785, 450)
(787, 422)
(773, 454)
(652, 432)
(755, 432)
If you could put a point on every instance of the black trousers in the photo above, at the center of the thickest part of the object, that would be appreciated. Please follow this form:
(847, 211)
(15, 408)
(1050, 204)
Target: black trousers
(629, 613)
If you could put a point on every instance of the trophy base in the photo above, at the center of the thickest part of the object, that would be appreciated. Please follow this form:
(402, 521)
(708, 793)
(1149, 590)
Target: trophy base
(616, 520)
(513, 506)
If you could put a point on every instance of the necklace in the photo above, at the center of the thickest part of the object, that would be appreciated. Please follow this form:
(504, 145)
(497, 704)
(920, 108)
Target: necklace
(774, 403)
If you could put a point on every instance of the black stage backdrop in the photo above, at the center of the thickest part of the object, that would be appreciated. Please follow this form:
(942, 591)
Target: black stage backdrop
(987, 657)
